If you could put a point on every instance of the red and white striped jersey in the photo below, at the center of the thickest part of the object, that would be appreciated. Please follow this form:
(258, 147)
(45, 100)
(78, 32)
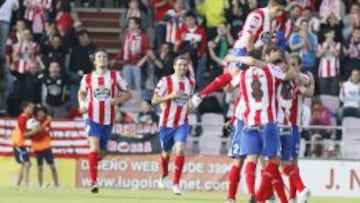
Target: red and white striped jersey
(174, 112)
(297, 103)
(238, 103)
(26, 52)
(100, 90)
(259, 24)
(329, 65)
(33, 6)
(257, 89)
(285, 94)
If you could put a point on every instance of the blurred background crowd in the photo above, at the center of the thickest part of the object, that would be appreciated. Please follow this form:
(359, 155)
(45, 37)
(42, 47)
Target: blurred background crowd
(45, 49)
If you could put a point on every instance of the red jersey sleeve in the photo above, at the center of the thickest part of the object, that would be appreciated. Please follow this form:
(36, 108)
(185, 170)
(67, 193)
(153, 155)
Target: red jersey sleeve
(22, 123)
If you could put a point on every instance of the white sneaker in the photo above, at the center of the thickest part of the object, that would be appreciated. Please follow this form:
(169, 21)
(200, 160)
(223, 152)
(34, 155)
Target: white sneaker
(230, 201)
(162, 182)
(304, 195)
(292, 201)
(176, 190)
(196, 100)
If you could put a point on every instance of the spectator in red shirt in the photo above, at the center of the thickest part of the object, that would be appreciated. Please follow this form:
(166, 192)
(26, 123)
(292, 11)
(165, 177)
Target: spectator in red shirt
(136, 45)
(192, 38)
(160, 8)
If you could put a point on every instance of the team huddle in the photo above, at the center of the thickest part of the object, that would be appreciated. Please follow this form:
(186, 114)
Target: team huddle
(266, 119)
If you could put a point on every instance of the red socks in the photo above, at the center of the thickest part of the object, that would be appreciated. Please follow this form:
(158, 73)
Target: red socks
(292, 192)
(294, 177)
(250, 170)
(165, 166)
(266, 180)
(234, 178)
(93, 161)
(278, 186)
(179, 164)
(219, 82)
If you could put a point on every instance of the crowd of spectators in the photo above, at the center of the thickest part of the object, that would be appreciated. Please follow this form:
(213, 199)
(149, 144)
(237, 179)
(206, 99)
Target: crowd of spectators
(44, 51)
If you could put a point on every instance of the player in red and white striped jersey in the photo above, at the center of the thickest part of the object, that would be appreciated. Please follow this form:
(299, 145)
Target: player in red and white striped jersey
(99, 94)
(329, 67)
(173, 93)
(259, 28)
(290, 140)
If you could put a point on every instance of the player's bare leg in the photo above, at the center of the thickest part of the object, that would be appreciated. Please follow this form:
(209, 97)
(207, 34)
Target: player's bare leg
(179, 164)
(19, 176)
(93, 162)
(234, 178)
(40, 175)
(54, 174)
(165, 158)
(250, 175)
(27, 166)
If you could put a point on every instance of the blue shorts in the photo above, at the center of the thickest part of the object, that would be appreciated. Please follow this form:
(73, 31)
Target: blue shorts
(296, 141)
(168, 136)
(239, 52)
(21, 155)
(44, 155)
(263, 140)
(287, 143)
(103, 132)
(234, 150)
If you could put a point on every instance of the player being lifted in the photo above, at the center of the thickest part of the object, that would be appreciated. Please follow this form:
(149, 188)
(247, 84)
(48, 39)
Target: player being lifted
(99, 94)
(260, 27)
(173, 94)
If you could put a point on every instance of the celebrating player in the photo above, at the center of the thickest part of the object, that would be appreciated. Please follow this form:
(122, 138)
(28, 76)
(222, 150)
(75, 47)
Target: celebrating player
(18, 137)
(258, 30)
(99, 94)
(173, 93)
(41, 144)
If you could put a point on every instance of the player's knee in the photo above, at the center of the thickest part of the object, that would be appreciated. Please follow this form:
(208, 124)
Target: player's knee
(252, 157)
(238, 162)
(27, 165)
(40, 168)
(52, 167)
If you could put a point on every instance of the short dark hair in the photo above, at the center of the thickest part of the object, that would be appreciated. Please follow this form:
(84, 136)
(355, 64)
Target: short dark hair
(308, 8)
(25, 104)
(327, 30)
(136, 20)
(82, 32)
(97, 51)
(41, 109)
(278, 2)
(180, 57)
(297, 58)
(270, 49)
(190, 14)
(255, 53)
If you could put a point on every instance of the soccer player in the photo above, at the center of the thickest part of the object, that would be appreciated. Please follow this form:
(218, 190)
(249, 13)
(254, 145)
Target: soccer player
(173, 94)
(101, 91)
(290, 168)
(18, 137)
(260, 26)
(41, 144)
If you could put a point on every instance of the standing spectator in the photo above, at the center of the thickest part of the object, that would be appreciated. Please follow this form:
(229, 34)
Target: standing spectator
(329, 67)
(352, 51)
(330, 6)
(64, 19)
(147, 114)
(304, 43)
(292, 16)
(54, 52)
(80, 63)
(313, 21)
(236, 16)
(136, 45)
(14, 38)
(162, 60)
(6, 8)
(53, 90)
(192, 38)
(49, 32)
(174, 19)
(24, 51)
(332, 21)
(351, 20)
(214, 14)
(36, 14)
(133, 11)
(160, 7)
(350, 97)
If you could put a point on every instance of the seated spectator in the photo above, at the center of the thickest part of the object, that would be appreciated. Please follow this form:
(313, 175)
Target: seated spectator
(49, 32)
(313, 21)
(123, 117)
(329, 6)
(160, 8)
(351, 20)
(147, 114)
(350, 97)
(321, 116)
(53, 90)
(290, 19)
(329, 66)
(162, 60)
(54, 52)
(304, 43)
(14, 38)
